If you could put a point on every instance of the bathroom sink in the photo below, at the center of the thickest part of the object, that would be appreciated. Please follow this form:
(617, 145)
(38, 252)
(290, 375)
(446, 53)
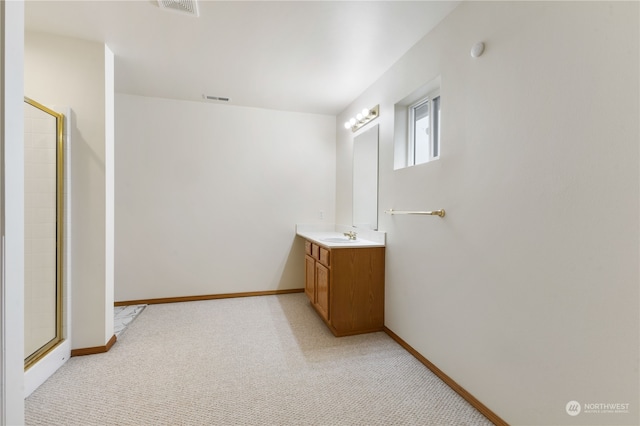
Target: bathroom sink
(338, 240)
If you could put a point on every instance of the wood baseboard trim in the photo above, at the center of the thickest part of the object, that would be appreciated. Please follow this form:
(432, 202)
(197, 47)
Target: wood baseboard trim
(205, 297)
(95, 349)
(483, 409)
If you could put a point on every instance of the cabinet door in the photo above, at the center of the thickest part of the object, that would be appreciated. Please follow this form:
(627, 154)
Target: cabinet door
(310, 278)
(322, 290)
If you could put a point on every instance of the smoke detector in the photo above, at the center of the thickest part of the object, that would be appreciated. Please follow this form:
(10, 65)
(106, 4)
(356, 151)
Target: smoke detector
(187, 7)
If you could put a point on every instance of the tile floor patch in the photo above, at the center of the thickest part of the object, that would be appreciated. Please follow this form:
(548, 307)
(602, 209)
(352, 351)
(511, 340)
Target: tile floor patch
(124, 315)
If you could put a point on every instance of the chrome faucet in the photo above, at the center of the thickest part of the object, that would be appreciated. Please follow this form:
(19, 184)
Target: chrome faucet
(351, 235)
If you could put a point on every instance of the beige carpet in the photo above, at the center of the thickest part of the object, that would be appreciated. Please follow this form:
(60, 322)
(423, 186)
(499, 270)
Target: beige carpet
(249, 361)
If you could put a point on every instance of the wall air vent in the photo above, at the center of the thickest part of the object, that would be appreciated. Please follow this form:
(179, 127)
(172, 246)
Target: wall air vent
(187, 7)
(215, 98)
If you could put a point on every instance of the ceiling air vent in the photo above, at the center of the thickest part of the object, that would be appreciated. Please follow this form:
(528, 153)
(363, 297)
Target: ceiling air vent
(188, 7)
(215, 98)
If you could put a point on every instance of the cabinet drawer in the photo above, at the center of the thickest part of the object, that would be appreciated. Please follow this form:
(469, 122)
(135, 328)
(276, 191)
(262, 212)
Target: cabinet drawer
(315, 251)
(320, 254)
(324, 257)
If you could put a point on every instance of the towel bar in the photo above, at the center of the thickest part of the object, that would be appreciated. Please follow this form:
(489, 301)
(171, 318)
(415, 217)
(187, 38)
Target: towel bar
(424, 213)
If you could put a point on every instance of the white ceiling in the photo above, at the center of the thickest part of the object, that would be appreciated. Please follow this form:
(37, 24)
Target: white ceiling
(307, 56)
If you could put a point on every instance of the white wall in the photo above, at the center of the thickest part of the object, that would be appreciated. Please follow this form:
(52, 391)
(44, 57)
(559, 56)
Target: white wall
(12, 213)
(526, 294)
(208, 195)
(109, 187)
(68, 71)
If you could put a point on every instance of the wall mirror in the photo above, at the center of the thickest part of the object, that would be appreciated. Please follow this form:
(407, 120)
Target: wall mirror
(43, 187)
(365, 179)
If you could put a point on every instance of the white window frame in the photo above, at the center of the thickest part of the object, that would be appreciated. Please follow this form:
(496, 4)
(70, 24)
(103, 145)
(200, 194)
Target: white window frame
(434, 123)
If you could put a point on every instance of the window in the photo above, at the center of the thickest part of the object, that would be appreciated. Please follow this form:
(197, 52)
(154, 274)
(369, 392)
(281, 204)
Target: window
(424, 130)
(416, 129)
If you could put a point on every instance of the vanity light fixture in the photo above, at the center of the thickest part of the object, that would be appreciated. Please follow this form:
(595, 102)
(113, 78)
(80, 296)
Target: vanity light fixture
(362, 118)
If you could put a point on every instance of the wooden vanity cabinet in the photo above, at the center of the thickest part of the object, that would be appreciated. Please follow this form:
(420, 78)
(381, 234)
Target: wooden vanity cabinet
(317, 277)
(346, 287)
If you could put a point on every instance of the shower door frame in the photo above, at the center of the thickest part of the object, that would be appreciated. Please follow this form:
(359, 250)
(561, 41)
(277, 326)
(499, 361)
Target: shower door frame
(33, 358)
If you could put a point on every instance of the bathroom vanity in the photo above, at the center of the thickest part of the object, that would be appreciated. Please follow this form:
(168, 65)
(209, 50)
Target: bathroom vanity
(344, 281)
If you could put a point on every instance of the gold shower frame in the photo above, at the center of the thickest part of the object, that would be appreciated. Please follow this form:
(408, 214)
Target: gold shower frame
(47, 347)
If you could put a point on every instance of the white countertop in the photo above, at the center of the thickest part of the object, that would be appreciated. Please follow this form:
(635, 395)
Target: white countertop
(327, 235)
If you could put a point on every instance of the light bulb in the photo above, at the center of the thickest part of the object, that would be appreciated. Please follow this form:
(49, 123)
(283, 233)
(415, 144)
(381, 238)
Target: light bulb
(353, 121)
(365, 112)
(347, 125)
(359, 117)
